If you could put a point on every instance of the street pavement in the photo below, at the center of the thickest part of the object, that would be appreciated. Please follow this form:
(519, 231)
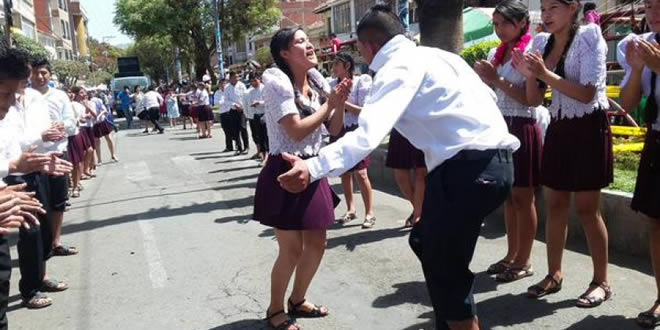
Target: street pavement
(166, 241)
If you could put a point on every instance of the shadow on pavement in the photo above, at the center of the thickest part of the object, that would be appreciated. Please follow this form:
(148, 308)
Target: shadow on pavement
(185, 138)
(159, 213)
(234, 169)
(428, 325)
(365, 237)
(510, 310)
(243, 325)
(240, 178)
(242, 219)
(607, 322)
(231, 154)
(204, 153)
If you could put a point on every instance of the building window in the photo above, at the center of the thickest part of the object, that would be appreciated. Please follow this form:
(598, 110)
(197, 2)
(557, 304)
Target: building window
(361, 7)
(28, 30)
(342, 17)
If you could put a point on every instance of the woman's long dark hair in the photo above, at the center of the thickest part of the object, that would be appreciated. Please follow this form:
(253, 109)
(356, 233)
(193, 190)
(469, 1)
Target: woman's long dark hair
(347, 59)
(559, 70)
(514, 11)
(282, 41)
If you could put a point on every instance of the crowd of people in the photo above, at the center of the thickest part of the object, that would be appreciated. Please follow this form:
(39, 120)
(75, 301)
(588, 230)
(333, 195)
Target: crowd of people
(472, 136)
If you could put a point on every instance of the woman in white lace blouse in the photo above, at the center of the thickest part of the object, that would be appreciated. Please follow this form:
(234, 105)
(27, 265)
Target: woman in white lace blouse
(639, 56)
(577, 153)
(511, 22)
(298, 102)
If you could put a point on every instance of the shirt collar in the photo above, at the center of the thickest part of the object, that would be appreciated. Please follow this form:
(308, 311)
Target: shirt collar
(388, 50)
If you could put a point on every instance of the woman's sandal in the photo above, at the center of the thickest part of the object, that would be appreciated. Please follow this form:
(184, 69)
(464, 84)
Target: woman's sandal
(514, 274)
(498, 267)
(51, 285)
(75, 193)
(649, 319)
(347, 217)
(286, 325)
(316, 312)
(409, 222)
(536, 291)
(63, 250)
(592, 301)
(39, 300)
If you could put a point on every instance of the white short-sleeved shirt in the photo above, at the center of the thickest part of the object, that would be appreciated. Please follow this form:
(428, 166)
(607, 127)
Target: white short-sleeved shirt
(646, 73)
(254, 95)
(203, 98)
(152, 100)
(279, 95)
(507, 104)
(358, 96)
(585, 64)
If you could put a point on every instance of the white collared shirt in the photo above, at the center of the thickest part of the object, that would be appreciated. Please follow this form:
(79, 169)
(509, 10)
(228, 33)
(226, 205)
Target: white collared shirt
(10, 148)
(219, 99)
(34, 117)
(152, 100)
(254, 95)
(234, 94)
(358, 95)
(429, 95)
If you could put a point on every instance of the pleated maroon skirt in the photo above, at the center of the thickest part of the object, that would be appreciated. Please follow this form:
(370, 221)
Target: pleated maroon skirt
(363, 163)
(312, 209)
(527, 159)
(403, 155)
(76, 149)
(102, 129)
(577, 153)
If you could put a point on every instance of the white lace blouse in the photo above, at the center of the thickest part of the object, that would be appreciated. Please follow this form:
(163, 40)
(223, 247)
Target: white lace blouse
(585, 63)
(359, 92)
(646, 73)
(279, 96)
(508, 105)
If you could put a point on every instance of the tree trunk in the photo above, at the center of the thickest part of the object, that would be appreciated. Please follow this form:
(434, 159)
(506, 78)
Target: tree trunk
(200, 53)
(441, 24)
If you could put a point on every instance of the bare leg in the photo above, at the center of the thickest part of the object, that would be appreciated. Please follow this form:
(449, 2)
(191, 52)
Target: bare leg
(58, 218)
(525, 209)
(111, 146)
(366, 191)
(347, 184)
(420, 187)
(511, 224)
(314, 243)
(290, 250)
(402, 178)
(97, 143)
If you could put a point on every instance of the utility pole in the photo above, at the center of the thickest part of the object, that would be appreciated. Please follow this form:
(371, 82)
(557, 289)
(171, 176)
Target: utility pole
(218, 40)
(404, 13)
(9, 20)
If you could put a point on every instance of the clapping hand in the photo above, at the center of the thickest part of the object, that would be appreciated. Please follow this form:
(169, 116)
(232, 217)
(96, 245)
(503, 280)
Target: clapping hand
(54, 133)
(520, 64)
(535, 64)
(56, 166)
(486, 71)
(633, 56)
(297, 178)
(649, 53)
(17, 208)
(339, 94)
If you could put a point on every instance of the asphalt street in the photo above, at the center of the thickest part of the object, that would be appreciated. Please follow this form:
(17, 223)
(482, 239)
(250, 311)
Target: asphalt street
(166, 241)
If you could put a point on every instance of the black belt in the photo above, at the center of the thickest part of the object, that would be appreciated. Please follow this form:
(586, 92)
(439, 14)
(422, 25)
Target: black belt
(503, 154)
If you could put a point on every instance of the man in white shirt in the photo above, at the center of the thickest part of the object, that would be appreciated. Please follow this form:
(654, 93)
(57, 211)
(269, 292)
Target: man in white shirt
(225, 116)
(255, 109)
(61, 112)
(234, 96)
(152, 102)
(435, 100)
(20, 135)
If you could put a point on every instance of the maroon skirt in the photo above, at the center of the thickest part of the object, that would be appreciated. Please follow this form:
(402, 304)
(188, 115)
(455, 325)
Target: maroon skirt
(204, 113)
(363, 163)
(312, 209)
(87, 137)
(76, 149)
(403, 155)
(647, 188)
(577, 153)
(194, 111)
(102, 129)
(527, 159)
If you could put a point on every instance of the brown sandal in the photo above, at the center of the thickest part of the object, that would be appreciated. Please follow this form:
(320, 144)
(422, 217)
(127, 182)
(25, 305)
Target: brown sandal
(498, 267)
(286, 325)
(536, 291)
(316, 312)
(514, 274)
(592, 301)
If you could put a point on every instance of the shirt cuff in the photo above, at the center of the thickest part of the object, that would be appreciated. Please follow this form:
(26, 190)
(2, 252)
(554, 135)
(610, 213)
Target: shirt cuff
(315, 168)
(4, 168)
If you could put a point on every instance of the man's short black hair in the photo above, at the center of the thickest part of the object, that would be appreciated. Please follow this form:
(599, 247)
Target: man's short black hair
(378, 25)
(232, 74)
(126, 87)
(41, 62)
(14, 63)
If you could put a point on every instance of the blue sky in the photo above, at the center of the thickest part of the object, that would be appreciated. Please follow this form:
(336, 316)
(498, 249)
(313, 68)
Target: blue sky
(100, 15)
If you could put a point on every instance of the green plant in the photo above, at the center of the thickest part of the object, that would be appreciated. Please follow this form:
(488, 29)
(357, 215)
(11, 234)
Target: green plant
(478, 52)
(68, 72)
(32, 47)
(625, 171)
(264, 57)
(99, 77)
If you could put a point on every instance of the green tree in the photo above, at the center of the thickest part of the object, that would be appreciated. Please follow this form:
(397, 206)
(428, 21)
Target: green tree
(190, 23)
(156, 56)
(69, 72)
(32, 47)
(98, 77)
(104, 56)
(264, 57)
(441, 24)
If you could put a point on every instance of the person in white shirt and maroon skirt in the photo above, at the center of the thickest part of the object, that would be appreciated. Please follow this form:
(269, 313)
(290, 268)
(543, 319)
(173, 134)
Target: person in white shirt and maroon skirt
(577, 153)
(299, 102)
(435, 100)
(640, 58)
